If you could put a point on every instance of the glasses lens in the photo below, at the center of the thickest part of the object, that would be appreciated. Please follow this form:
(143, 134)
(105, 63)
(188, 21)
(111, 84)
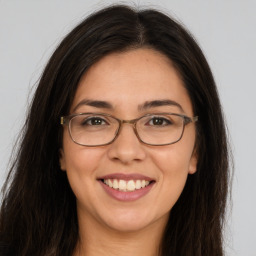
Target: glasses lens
(160, 129)
(93, 129)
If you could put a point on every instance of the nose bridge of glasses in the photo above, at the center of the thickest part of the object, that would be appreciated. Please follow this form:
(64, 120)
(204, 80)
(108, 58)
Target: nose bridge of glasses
(131, 122)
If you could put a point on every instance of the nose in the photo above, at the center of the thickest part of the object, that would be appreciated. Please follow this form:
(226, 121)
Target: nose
(126, 148)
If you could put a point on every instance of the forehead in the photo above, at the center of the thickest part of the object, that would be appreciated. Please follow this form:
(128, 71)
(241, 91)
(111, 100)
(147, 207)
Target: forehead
(130, 78)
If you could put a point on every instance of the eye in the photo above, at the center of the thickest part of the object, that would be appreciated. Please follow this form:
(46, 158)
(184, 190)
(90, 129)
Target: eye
(159, 121)
(94, 121)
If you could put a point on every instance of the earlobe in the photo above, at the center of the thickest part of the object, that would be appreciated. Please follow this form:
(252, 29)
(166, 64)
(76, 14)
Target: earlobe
(62, 160)
(193, 163)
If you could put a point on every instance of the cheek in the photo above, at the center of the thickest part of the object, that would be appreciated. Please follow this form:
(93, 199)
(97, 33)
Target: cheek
(79, 160)
(173, 163)
(174, 169)
(173, 160)
(81, 172)
(80, 165)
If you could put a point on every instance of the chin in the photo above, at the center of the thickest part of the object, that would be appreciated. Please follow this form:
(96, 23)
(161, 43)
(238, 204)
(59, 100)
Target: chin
(128, 226)
(131, 222)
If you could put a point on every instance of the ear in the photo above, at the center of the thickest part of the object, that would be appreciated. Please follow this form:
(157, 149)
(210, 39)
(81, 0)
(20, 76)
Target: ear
(62, 160)
(193, 163)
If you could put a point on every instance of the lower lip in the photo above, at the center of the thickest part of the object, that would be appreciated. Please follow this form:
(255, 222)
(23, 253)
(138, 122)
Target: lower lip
(127, 196)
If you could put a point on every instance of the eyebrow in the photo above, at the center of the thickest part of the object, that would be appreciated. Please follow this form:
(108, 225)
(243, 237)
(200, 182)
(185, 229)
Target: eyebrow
(159, 103)
(93, 103)
(144, 106)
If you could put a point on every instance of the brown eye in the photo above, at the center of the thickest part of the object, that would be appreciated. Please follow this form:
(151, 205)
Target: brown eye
(94, 121)
(159, 121)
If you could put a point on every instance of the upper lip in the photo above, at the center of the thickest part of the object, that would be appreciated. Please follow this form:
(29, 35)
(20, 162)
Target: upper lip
(124, 176)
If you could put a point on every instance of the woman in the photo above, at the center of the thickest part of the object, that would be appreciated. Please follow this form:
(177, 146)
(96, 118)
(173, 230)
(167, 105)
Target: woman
(124, 150)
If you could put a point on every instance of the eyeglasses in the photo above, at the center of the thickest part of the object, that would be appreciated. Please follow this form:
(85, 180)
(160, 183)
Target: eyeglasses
(93, 129)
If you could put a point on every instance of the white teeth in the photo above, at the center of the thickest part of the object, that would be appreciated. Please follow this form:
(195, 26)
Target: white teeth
(130, 185)
(124, 185)
(115, 184)
(138, 184)
(110, 183)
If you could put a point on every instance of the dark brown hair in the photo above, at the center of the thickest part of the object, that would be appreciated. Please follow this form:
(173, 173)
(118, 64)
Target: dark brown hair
(38, 214)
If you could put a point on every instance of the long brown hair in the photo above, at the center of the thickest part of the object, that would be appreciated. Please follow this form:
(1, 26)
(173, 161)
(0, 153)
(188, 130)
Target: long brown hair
(38, 213)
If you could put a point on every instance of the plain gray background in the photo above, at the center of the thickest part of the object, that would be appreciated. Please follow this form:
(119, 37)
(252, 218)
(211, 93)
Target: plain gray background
(226, 31)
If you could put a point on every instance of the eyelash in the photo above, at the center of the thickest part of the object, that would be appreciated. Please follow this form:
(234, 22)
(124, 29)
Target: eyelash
(87, 120)
(168, 122)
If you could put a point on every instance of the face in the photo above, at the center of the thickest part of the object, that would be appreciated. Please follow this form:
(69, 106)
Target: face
(125, 82)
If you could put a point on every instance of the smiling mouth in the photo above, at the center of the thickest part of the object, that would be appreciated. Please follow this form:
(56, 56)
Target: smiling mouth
(126, 185)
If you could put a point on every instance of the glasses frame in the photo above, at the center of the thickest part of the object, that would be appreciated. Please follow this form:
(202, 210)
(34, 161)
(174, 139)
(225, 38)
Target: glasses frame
(66, 120)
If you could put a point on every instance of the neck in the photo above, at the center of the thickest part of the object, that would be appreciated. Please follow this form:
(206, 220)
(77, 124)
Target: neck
(96, 239)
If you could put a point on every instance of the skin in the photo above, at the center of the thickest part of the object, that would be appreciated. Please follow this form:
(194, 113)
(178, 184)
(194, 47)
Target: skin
(136, 227)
